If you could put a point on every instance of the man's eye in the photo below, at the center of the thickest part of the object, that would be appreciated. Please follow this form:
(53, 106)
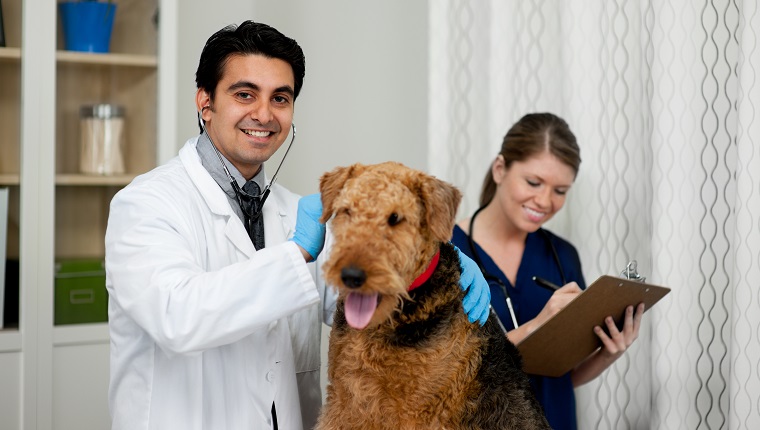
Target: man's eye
(281, 99)
(244, 95)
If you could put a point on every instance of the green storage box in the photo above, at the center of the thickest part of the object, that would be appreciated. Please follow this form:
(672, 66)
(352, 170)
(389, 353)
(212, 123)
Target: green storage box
(80, 292)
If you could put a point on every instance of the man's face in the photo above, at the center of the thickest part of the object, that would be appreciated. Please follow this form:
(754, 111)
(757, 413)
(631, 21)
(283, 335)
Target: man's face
(252, 110)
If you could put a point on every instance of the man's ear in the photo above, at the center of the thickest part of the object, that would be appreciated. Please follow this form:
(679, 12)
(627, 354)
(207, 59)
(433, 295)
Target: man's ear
(203, 103)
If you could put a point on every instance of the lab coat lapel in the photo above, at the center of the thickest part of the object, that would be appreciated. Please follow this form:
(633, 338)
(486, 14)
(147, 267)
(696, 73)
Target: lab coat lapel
(235, 233)
(215, 199)
(277, 223)
(276, 226)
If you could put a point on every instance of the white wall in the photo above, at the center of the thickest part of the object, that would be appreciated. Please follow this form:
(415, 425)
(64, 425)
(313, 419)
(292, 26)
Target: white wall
(364, 97)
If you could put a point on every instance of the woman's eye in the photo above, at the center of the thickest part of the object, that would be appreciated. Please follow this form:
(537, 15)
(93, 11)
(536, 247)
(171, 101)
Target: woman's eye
(393, 219)
(533, 183)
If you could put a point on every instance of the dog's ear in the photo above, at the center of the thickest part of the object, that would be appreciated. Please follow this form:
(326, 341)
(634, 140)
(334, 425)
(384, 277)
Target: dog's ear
(330, 185)
(441, 201)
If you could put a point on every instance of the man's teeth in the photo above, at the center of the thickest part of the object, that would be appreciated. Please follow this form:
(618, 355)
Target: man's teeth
(257, 133)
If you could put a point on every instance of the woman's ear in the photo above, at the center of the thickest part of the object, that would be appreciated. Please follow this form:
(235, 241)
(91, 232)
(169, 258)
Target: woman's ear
(498, 167)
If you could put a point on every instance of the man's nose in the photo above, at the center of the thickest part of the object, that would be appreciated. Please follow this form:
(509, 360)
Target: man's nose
(262, 112)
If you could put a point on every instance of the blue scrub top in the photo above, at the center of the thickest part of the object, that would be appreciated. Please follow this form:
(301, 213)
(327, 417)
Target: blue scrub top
(556, 395)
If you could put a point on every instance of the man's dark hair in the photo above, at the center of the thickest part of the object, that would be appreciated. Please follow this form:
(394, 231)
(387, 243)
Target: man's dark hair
(246, 39)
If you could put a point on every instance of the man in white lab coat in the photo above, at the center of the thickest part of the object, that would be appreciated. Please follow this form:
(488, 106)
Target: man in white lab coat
(215, 315)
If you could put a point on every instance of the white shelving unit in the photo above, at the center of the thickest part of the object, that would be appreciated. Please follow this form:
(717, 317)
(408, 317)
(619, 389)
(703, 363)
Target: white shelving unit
(56, 377)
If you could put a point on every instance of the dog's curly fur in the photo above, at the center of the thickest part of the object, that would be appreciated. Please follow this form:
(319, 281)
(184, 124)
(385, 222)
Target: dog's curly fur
(418, 363)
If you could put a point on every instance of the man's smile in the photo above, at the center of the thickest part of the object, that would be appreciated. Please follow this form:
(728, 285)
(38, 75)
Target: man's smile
(256, 133)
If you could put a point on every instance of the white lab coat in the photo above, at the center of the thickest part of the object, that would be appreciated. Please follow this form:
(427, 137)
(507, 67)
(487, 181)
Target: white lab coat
(206, 332)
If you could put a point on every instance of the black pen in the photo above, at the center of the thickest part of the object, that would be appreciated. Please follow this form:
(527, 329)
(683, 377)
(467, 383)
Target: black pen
(546, 284)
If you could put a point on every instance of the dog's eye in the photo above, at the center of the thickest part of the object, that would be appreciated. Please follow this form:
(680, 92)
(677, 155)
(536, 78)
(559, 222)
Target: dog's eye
(394, 219)
(345, 212)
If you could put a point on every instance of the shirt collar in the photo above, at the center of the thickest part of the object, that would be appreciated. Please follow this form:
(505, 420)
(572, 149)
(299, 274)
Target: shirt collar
(210, 162)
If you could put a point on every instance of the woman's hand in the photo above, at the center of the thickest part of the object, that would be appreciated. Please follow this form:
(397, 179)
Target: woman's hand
(617, 342)
(557, 301)
(614, 345)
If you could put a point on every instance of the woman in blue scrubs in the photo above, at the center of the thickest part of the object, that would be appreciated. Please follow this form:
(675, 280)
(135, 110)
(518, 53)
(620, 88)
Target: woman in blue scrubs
(526, 185)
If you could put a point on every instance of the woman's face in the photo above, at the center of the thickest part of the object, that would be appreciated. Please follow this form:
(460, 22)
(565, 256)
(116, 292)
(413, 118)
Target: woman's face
(530, 192)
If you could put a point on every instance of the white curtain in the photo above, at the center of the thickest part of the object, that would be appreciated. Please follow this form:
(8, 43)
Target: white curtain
(664, 97)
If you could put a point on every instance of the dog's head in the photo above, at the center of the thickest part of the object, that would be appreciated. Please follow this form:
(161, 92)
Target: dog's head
(388, 222)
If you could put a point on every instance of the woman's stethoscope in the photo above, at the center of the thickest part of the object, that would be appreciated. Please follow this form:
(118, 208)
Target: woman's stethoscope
(495, 279)
(239, 193)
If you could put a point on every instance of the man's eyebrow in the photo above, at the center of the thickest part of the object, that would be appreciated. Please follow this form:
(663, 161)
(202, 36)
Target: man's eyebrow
(243, 84)
(251, 86)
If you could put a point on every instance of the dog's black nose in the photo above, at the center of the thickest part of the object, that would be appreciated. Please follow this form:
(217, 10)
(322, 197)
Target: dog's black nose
(353, 277)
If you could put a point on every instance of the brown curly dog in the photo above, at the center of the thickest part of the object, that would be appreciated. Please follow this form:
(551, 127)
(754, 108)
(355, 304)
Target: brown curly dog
(402, 353)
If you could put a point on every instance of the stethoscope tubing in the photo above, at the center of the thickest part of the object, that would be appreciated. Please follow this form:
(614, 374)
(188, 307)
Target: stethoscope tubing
(491, 277)
(235, 187)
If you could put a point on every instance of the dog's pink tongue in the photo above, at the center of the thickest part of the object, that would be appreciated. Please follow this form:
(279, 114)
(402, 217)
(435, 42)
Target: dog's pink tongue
(359, 309)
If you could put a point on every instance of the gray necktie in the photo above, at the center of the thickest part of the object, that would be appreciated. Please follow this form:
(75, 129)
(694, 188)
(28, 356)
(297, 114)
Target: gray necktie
(252, 216)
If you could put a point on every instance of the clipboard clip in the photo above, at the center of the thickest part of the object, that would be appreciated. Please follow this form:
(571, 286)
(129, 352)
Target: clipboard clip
(631, 272)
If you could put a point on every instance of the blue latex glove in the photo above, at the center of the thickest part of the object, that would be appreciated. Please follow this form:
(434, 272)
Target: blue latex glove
(477, 300)
(310, 233)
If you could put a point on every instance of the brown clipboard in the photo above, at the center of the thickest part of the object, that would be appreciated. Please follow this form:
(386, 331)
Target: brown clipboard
(562, 342)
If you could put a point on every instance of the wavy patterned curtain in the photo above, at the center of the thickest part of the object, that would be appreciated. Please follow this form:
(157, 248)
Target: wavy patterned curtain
(664, 97)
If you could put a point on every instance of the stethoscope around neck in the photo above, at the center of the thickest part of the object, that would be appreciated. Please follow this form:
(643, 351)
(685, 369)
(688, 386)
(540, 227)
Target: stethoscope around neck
(495, 279)
(239, 193)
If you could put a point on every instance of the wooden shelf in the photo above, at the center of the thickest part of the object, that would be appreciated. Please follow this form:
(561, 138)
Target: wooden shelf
(72, 57)
(57, 375)
(109, 59)
(10, 54)
(76, 179)
(9, 179)
(93, 180)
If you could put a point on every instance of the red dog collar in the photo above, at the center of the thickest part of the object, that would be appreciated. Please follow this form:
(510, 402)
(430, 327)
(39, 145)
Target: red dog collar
(427, 273)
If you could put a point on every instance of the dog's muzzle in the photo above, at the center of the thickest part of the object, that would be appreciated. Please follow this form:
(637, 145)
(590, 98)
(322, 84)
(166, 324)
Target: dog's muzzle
(353, 277)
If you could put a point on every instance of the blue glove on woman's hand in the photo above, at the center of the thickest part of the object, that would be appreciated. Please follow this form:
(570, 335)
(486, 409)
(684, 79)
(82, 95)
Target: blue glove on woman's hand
(310, 233)
(477, 300)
